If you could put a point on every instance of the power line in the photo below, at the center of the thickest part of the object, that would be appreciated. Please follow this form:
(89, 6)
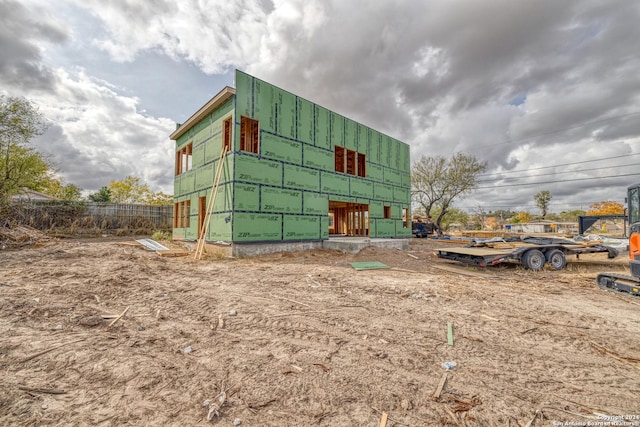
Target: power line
(556, 173)
(563, 164)
(558, 130)
(556, 182)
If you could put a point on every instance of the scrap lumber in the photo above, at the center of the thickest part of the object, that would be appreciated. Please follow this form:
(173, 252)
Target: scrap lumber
(443, 381)
(40, 353)
(42, 390)
(118, 318)
(383, 419)
(173, 253)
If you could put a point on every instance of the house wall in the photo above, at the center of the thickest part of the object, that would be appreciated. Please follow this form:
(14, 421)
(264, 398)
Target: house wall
(283, 192)
(206, 140)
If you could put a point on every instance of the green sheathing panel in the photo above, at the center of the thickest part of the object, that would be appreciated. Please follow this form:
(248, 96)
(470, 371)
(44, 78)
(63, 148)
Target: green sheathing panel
(376, 210)
(374, 172)
(296, 227)
(324, 227)
(323, 137)
(319, 158)
(286, 113)
(224, 198)
(315, 204)
(334, 183)
(251, 169)
(274, 147)
(383, 191)
(246, 197)
(337, 129)
(205, 174)
(405, 181)
(385, 228)
(220, 227)
(244, 95)
(392, 176)
(280, 200)
(361, 188)
(264, 107)
(255, 227)
(305, 111)
(401, 195)
(401, 230)
(302, 178)
(350, 135)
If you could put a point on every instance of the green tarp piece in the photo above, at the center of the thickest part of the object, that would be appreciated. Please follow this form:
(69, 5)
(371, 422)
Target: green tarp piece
(368, 265)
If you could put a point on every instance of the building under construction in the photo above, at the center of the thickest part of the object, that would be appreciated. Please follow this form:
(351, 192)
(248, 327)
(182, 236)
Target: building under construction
(259, 165)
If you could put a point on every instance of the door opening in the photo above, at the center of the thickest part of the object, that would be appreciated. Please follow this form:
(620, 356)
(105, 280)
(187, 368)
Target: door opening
(348, 219)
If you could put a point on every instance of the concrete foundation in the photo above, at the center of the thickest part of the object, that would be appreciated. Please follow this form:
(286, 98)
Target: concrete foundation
(350, 245)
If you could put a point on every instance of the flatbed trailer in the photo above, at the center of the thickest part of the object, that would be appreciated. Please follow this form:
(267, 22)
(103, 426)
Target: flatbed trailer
(532, 252)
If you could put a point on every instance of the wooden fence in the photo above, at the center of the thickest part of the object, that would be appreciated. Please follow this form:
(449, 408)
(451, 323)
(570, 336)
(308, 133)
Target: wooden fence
(77, 216)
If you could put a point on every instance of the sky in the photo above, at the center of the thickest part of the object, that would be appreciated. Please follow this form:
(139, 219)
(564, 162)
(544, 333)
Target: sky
(546, 92)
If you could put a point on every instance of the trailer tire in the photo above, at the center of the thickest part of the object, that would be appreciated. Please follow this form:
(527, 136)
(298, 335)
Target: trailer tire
(533, 259)
(557, 259)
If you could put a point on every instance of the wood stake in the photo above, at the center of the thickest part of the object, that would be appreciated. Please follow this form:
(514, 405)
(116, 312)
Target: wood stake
(450, 333)
(42, 390)
(383, 419)
(113, 322)
(40, 353)
(443, 381)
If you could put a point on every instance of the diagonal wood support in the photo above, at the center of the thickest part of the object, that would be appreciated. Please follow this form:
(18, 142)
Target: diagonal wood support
(210, 203)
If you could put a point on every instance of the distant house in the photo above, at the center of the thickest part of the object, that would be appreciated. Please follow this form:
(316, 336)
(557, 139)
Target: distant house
(27, 195)
(543, 227)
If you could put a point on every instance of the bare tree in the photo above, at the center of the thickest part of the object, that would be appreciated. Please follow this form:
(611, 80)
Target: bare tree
(438, 181)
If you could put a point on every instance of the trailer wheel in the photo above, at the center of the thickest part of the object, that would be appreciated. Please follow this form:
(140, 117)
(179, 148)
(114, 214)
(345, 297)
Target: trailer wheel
(556, 258)
(533, 259)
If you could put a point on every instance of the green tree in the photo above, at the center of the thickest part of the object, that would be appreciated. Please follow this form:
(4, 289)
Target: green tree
(437, 181)
(159, 199)
(571, 216)
(101, 196)
(20, 165)
(542, 200)
(58, 189)
(520, 218)
(453, 216)
(129, 190)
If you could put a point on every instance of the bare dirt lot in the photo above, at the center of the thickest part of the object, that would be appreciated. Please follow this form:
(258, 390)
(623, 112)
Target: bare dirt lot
(304, 339)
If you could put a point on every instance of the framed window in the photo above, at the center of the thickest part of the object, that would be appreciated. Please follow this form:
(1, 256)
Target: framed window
(362, 165)
(181, 214)
(339, 159)
(249, 135)
(226, 134)
(387, 212)
(184, 159)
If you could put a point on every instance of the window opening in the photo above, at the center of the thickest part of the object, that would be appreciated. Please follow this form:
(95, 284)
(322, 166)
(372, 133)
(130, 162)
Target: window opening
(339, 159)
(184, 159)
(226, 132)
(362, 165)
(181, 213)
(387, 212)
(351, 162)
(249, 135)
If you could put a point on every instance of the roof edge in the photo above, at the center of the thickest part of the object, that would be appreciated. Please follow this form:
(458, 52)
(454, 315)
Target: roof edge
(215, 102)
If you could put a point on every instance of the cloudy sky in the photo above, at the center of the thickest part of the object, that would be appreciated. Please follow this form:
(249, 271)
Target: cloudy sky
(546, 91)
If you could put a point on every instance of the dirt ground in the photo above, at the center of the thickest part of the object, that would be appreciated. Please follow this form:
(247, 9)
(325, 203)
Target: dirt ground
(300, 339)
